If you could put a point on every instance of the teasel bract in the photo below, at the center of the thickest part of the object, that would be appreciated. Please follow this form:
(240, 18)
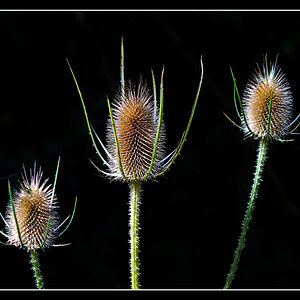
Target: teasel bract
(136, 145)
(32, 217)
(265, 112)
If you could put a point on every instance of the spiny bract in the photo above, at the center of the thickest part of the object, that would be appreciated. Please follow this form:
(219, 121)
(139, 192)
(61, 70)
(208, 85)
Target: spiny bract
(34, 206)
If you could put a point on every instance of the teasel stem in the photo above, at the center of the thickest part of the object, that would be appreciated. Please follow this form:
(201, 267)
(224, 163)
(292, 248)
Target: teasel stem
(134, 211)
(261, 157)
(36, 268)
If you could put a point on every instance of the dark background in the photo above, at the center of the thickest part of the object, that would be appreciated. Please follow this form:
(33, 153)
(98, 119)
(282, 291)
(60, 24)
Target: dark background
(191, 218)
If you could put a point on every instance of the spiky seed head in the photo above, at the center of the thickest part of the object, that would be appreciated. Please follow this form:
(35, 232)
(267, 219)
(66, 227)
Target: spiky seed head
(136, 121)
(33, 206)
(256, 102)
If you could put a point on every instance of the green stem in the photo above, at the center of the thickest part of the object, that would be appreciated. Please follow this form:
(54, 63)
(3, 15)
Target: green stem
(36, 268)
(257, 179)
(135, 191)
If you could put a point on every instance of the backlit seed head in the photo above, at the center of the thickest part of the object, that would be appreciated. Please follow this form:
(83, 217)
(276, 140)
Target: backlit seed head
(33, 206)
(256, 102)
(136, 121)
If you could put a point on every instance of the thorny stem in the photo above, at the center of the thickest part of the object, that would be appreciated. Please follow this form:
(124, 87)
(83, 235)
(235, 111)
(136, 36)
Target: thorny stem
(135, 190)
(261, 156)
(36, 268)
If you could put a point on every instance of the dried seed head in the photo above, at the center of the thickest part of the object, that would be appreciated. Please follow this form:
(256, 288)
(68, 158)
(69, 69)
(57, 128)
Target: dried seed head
(256, 102)
(33, 206)
(136, 123)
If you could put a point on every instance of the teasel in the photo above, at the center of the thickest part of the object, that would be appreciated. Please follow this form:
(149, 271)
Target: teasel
(32, 217)
(136, 145)
(265, 112)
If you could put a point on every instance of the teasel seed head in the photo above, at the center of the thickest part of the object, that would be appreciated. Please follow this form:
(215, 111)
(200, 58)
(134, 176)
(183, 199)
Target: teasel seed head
(136, 122)
(135, 131)
(36, 213)
(267, 103)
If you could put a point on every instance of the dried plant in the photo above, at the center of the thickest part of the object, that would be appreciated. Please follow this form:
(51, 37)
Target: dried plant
(32, 218)
(265, 114)
(136, 145)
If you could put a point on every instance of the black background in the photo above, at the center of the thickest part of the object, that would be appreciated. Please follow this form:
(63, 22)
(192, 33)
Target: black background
(191, 218)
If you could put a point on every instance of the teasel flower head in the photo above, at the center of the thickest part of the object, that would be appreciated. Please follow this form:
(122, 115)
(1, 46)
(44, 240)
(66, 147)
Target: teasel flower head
(136, 122)
(268, 103)
(135, 131)
(32, 217)
(35, 204)
(266, 107)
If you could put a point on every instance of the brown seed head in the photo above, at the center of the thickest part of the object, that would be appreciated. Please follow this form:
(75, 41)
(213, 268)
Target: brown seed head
(256, 101)
(33, 208)
(136, 125)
